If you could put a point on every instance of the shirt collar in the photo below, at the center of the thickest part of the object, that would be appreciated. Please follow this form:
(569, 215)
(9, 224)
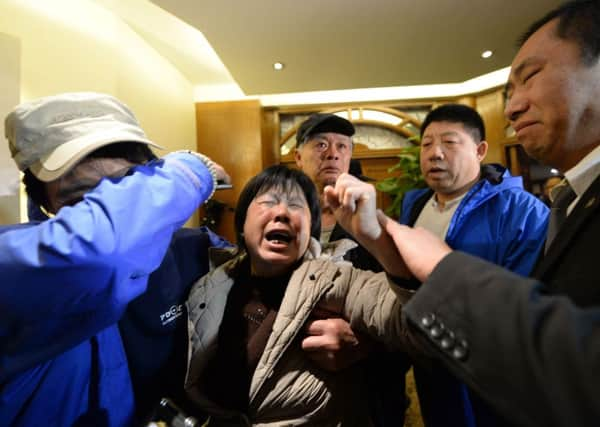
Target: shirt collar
(449, 204)
(582, 175)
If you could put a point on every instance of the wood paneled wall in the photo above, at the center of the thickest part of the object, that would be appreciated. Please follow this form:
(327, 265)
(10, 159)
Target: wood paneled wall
(230, 133)
(491, 107)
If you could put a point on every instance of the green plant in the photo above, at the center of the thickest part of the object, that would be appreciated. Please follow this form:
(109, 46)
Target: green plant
(410, 177)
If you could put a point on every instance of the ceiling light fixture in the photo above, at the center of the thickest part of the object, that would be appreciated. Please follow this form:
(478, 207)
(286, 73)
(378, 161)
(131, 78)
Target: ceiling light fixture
(486, 54)
(278, 66)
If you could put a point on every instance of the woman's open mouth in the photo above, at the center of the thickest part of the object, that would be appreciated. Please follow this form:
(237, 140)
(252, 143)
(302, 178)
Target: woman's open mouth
(278, 237)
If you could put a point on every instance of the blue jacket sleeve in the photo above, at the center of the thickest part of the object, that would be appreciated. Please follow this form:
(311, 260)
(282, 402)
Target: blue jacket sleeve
(67, 278)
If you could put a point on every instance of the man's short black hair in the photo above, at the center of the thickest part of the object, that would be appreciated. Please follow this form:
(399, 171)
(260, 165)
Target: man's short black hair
(286, 179)
(134, 152)
(457, 113)
(578, 21)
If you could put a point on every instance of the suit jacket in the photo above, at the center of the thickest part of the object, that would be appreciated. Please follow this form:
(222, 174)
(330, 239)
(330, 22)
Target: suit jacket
(530, 349)
(571, 264)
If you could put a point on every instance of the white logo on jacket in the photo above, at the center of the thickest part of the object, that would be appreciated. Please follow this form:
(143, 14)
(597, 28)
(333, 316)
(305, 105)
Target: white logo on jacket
(173, 313)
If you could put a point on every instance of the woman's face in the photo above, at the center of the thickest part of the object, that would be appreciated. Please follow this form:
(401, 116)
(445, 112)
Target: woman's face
(276, 231)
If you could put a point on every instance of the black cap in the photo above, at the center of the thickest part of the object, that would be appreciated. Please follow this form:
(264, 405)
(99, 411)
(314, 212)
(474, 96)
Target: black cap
(321, 123)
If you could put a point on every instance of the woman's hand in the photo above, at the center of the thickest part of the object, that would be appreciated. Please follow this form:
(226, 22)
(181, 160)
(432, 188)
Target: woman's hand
(333, 345)
(354, 203)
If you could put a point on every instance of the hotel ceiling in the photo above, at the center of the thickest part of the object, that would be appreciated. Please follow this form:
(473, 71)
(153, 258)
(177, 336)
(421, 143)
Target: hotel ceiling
(348, 44)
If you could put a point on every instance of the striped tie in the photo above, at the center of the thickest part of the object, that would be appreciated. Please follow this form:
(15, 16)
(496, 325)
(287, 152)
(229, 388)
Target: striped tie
(563, 197)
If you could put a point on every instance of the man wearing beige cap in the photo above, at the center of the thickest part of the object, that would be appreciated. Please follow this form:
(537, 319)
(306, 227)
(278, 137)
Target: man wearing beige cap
(67, 281)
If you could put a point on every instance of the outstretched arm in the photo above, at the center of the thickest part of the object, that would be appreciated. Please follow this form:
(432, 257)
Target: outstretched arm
(533, 357)
(331, 342)
(490, 321)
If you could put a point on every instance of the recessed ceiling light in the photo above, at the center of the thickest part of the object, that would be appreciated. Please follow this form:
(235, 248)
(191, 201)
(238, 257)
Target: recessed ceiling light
(486, 54)
(278, 66)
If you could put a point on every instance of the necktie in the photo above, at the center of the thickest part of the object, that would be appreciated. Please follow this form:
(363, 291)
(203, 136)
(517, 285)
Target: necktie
(564, 196)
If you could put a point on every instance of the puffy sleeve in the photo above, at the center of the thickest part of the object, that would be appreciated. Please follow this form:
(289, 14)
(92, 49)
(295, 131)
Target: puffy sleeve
(373, 304)
(69, 277)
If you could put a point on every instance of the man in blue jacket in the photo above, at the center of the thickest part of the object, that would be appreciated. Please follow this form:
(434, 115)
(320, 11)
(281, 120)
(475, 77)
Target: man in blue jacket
(478, 209)
(68, 280)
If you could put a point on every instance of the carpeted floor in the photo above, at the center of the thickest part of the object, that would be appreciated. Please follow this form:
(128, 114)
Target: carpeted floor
(413, 413)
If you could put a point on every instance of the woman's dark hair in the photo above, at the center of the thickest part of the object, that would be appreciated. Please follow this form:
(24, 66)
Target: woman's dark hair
(133, 152)
(286, 179)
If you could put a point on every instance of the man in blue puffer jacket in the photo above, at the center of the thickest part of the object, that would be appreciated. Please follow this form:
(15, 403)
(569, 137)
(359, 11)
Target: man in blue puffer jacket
(478, 209)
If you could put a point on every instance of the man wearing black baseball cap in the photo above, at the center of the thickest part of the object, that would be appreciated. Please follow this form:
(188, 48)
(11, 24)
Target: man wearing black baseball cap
(324, 148)
(324, 151)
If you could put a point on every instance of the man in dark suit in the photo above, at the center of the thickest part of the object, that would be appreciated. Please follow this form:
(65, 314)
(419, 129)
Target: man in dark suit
(532, 351)
(529, 347)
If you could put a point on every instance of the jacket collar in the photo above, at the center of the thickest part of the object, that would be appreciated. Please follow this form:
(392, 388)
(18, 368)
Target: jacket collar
(588, 205)
(333, 250)
(493, 172)
(493, 178)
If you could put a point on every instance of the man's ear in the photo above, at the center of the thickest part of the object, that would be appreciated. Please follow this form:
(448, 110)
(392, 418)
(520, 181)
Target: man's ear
(482, 149)
(298, 158)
